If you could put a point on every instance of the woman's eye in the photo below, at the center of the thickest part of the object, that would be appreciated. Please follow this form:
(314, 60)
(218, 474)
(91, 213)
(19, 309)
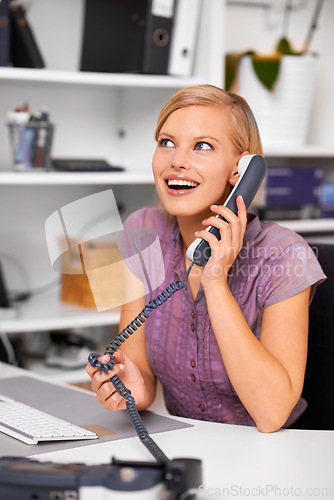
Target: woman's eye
(203, 146)
(166, 143)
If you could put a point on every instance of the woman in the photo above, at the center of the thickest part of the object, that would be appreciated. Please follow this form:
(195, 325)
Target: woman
(232, 346)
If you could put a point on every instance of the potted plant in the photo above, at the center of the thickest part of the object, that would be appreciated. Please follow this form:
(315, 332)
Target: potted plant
(279, 87)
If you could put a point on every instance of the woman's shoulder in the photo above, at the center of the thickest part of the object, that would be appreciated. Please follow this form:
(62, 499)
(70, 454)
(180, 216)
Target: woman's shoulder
(285, 262)
(153, 218)
(274, 238)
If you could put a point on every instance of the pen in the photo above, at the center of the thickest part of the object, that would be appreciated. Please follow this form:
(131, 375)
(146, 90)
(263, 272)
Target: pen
(41, 141)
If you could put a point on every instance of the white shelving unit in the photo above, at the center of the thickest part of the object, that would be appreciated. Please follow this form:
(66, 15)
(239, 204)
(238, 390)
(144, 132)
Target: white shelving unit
(119, 80)
(309, 151)
(96, 115)
(45, 312)
(310, 226)
(75, 179)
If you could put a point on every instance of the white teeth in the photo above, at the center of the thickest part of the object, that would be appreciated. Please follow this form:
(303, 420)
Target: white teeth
(175, 182)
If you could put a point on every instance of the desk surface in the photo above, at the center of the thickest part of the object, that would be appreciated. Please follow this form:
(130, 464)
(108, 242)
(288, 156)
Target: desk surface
(238, 461)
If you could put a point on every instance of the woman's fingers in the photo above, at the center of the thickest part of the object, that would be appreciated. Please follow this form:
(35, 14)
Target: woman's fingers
(102, 385)
(231, 226)
(101, 377)
(242, 210)
(229, 215)
(109, 397)
(106, 393)
(119, 357)
(231, 229)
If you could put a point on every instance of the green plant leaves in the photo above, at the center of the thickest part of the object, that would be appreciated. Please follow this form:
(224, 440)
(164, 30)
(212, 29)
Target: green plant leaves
(284, 47)
(232, 63)
(266, 67)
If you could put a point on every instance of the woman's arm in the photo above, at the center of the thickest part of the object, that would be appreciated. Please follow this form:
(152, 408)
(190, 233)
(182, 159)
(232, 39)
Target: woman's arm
(267, 374)
(131, 362)
(135, 349)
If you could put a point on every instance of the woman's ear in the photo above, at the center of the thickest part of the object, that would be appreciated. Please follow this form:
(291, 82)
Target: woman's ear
(234, 177)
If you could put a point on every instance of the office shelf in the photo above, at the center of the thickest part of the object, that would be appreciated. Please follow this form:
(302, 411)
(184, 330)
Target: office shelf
(307, 151)
(45, 312)
(79, 178)
(314, 226)
(68, 376)
(95, 79)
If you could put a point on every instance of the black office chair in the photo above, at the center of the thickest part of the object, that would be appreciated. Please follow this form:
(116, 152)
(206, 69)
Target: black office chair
(319, 378)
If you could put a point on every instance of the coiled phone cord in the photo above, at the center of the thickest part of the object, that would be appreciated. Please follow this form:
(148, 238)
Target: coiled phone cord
(94, 361)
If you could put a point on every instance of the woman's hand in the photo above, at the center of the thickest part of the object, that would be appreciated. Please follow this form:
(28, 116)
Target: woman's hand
(106, 393)
(225, 250)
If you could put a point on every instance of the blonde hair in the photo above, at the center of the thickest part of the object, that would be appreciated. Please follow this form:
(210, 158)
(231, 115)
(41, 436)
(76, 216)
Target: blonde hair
(244, 130)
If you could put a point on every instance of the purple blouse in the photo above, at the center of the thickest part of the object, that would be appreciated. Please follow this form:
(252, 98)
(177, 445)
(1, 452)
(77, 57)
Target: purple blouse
(274, 264)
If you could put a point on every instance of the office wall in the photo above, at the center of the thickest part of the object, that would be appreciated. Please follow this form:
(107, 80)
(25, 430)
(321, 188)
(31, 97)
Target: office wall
(259, 28)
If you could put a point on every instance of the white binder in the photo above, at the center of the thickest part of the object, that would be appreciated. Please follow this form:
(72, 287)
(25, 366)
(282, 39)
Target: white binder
(184, 37)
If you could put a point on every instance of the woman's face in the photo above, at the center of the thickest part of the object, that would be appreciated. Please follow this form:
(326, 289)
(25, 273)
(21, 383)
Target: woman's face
(195, 162)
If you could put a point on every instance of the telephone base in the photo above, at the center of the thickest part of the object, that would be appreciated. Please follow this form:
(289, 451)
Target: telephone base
(126, 479)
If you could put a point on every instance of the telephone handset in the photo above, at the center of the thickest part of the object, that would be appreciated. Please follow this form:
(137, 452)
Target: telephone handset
(252, 170)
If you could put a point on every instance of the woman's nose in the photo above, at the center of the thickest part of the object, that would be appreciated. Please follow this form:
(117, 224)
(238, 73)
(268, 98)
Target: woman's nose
(180, 159)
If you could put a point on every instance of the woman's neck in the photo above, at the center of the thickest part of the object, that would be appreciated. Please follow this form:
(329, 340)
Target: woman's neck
(188, 226)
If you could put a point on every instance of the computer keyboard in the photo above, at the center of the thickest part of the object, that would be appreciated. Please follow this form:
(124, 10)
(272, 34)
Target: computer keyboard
(32, 426)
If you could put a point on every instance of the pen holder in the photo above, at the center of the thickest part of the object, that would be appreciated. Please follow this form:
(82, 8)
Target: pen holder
(31, 145)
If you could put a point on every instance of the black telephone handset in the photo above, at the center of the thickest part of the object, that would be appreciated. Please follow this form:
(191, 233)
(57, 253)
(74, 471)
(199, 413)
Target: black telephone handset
(252, 170)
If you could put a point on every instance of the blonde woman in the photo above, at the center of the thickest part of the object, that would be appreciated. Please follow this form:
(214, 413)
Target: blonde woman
(232, 346)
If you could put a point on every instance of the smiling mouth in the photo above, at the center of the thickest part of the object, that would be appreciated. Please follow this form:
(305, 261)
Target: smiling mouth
(181, 184)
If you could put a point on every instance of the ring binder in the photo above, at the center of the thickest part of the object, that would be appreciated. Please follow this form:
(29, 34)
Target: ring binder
(128, 36)
(25, 52)
(184, 37)
(4, 33)
(160, 18)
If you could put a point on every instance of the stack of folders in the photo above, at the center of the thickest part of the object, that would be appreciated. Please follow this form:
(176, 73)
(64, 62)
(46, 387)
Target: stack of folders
(150, 36)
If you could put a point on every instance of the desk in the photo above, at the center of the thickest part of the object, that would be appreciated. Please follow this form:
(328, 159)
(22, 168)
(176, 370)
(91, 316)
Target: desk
(238, 461)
